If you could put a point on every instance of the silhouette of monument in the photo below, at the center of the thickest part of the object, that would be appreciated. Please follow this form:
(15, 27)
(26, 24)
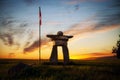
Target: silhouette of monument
(59, 40)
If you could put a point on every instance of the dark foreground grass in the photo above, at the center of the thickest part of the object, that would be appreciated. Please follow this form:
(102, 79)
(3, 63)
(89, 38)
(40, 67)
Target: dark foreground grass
(78, 70)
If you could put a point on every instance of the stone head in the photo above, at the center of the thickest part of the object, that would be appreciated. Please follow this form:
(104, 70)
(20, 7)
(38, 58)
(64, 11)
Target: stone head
(60, 33)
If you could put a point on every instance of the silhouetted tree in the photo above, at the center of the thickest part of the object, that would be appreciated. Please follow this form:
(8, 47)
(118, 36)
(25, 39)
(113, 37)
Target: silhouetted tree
(117, 49)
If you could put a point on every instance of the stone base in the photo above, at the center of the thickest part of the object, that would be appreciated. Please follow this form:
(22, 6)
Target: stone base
(54, 54)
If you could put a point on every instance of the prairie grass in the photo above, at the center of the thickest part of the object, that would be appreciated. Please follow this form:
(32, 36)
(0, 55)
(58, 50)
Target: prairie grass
(79, 70)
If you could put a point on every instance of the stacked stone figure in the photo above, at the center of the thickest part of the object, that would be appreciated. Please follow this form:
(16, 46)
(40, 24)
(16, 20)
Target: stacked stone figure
(59, 40)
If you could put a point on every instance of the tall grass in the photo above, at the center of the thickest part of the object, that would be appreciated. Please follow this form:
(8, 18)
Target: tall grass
(81, 70)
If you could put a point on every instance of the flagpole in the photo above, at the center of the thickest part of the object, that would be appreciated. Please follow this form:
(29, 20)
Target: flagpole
(39, 35)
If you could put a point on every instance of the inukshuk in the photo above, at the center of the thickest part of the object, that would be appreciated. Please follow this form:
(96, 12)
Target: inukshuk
(59, 40)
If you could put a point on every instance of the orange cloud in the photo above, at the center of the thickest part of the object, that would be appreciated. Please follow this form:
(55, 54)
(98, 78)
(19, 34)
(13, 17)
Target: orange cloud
(92, 55)
(89, 27)
(77, 30)
(35, 45)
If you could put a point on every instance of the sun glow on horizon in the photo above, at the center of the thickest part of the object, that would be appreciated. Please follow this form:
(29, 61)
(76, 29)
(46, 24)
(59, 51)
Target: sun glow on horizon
(92, 23)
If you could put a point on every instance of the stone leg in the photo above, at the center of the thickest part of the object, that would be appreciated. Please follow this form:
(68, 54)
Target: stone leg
(54, 56)
(65, 54)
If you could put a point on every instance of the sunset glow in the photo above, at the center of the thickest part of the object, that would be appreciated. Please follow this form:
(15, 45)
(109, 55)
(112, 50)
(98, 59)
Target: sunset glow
(93, 23)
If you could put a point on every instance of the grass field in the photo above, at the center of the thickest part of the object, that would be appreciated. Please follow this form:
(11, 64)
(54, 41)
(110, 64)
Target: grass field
(106, 69)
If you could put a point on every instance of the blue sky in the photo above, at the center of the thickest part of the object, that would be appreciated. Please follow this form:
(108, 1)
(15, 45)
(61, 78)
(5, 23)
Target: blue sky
(84, 19)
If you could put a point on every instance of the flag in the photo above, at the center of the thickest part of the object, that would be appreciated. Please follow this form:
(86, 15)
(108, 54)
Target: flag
(40, 17)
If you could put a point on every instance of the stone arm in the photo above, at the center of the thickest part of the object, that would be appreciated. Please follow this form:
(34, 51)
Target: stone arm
(69, 36)
(57, 37)
(53, 37)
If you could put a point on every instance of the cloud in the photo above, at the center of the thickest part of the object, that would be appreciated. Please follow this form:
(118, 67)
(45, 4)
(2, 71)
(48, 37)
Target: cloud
(71, 2)
(24, 25)
(95, 24)
(32, 47)
(89, 27)
(110, 15)
(35, 45)
(7, 21)
(92, 55)
(104, 20)
(53, 23)
(99, 54)
(74, 2)
(11, 31)
(30, 2)
(7, 39)
(10, 55)
(77, 7)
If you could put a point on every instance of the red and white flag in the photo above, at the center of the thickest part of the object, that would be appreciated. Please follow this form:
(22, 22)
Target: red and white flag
(40, 17)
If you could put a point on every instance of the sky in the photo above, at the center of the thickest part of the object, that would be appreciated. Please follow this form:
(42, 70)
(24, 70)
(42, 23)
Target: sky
(95, 25)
